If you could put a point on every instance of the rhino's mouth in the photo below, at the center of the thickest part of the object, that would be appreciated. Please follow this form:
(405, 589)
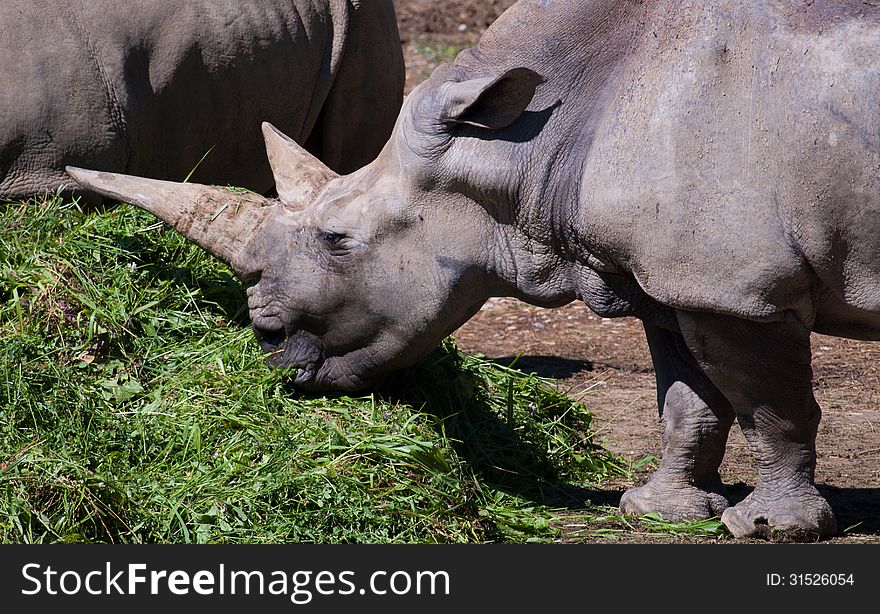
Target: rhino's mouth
(315, 367)
(299, 351)
(270, 340)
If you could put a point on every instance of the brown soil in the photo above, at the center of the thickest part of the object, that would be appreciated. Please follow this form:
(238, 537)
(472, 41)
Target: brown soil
(433, 32)
(607, 361)
(452, 21)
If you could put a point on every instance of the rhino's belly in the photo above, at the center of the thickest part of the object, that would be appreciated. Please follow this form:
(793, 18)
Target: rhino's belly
(837, 317)
(614, 295)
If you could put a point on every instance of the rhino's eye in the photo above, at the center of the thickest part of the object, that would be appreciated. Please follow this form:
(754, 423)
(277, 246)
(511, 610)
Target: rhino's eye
(332, 238)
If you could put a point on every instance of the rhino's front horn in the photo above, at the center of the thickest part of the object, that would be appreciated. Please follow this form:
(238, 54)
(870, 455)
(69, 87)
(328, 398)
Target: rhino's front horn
(299, 176)
(220, 220)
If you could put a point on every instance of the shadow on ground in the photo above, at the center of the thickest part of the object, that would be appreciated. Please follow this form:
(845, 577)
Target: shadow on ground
(857, 509)
(506, 452)
(503, 458)
(545, 366)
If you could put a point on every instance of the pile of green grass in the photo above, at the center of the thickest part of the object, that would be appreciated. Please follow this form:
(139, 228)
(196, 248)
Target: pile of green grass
(135, 407)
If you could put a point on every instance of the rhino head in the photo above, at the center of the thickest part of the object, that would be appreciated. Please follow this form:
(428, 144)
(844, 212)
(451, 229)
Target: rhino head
(352, 277)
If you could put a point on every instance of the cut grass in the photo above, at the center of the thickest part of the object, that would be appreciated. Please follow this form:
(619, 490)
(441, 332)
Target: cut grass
(603, 523)
(135, 407)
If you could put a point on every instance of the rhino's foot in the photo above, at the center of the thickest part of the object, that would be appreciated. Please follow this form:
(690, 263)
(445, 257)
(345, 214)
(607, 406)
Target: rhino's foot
(676, 501)
(804, 516)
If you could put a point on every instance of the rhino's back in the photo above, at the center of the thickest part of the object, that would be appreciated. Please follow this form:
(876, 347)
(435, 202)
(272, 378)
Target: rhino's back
(54, 104)
(206, 77)
(149, 87)
(743, 159)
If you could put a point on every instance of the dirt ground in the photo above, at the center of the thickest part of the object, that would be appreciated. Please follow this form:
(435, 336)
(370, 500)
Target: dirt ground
(453, 21)
(433, 32)
(607, 361)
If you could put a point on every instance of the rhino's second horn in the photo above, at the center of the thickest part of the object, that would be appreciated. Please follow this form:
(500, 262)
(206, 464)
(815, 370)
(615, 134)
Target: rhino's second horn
(299, 176)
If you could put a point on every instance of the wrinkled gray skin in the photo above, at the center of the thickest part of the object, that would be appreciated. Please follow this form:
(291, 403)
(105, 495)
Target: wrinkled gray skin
(710, 167)
(148, 87)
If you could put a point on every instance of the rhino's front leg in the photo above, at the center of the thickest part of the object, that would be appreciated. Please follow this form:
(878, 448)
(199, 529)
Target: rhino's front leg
(696, 419)
(764, 370)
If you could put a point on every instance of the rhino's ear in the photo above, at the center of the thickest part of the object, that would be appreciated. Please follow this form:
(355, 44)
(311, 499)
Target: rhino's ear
(299, 176)
(490, 102)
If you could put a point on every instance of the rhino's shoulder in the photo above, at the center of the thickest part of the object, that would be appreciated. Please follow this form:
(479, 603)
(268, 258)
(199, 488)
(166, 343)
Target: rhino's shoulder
(734, 254)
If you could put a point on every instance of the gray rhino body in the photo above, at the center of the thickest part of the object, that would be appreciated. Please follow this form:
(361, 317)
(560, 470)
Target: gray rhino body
(150, 86)
(710, 167)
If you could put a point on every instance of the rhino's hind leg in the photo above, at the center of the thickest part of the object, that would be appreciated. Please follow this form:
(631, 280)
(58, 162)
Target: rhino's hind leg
(696, 419)
(764, 370)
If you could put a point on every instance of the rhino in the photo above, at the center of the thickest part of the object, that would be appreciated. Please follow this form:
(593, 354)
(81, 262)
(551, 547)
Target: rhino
(710, 167)
(151, 87)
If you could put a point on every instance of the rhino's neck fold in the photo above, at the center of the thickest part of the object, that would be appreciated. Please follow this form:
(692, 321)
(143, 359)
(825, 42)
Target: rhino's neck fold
(540, 243)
